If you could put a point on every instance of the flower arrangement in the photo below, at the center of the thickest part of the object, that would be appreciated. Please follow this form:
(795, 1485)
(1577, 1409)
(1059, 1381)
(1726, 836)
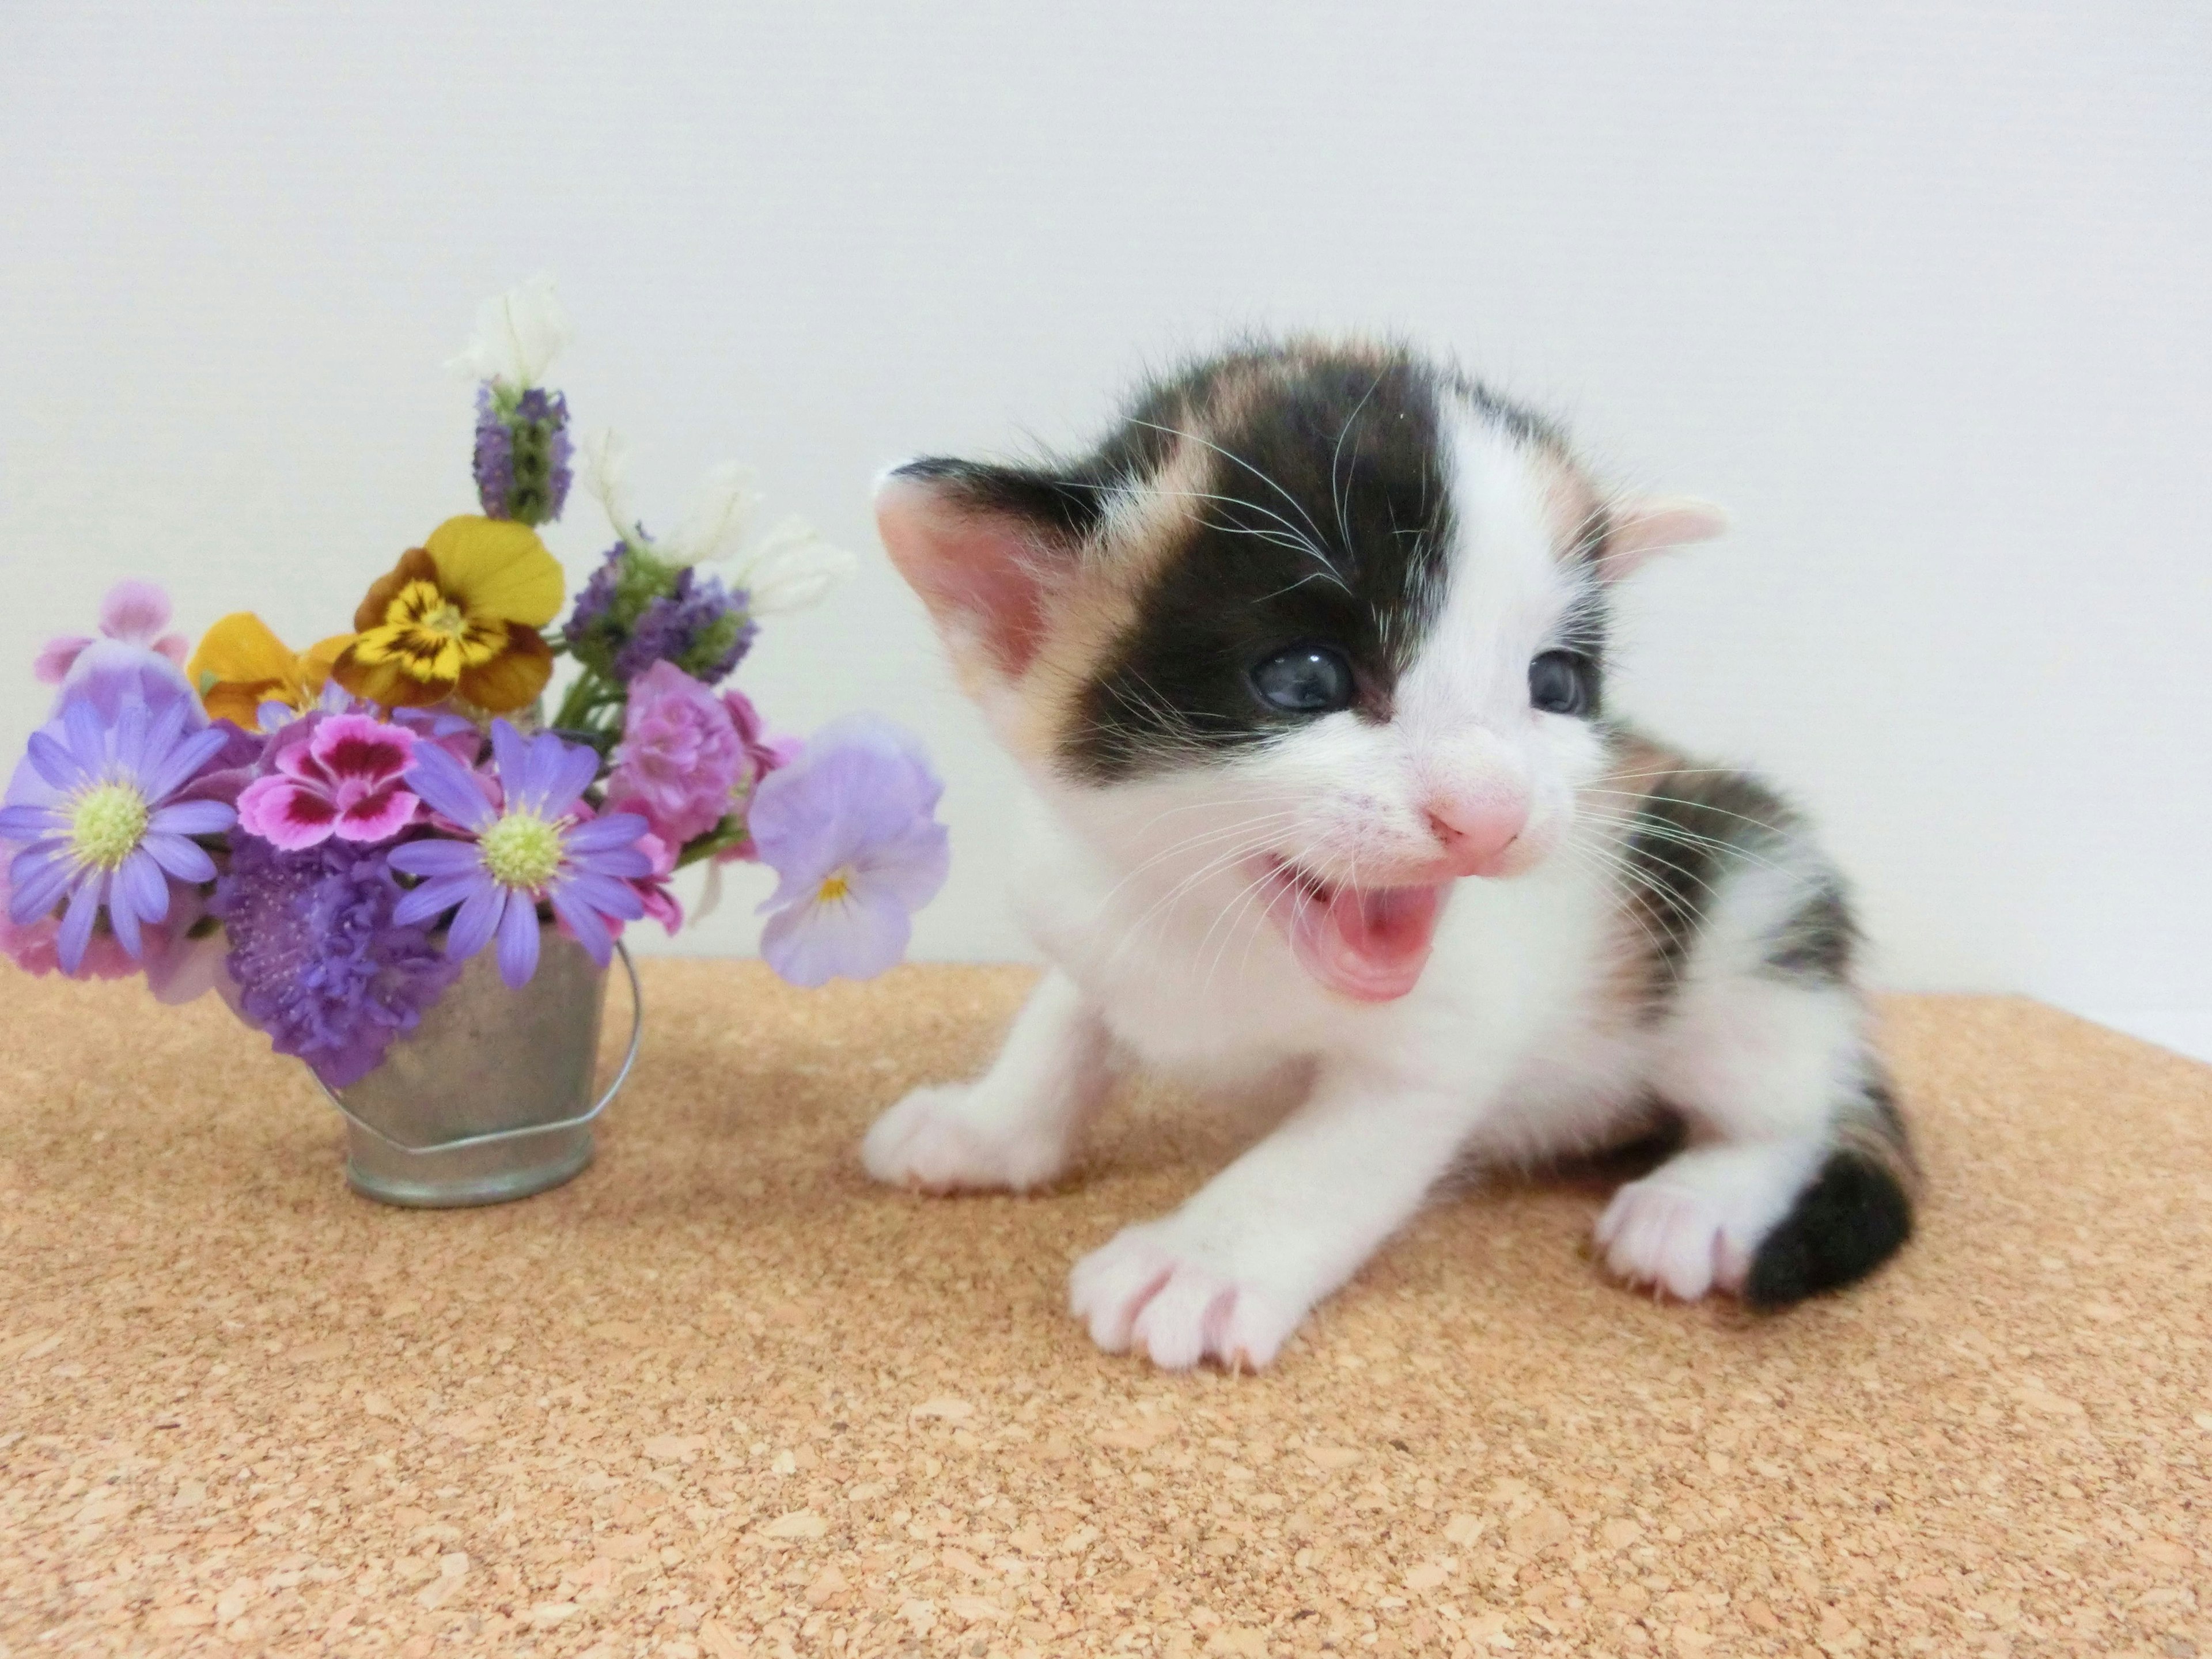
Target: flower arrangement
(324, 836)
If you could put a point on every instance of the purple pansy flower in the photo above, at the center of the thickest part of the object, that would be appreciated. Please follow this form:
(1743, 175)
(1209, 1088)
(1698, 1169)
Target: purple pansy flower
(94, 806)
(344, 780)
(318, 958)
(111, 672)
(539, 843)
(134, 612)
(849, 828)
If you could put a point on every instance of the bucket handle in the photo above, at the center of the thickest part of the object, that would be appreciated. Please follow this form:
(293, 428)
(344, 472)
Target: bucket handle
(497, 1136)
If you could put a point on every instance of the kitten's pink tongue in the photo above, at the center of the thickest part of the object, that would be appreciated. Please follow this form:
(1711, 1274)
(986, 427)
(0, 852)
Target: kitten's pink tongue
(1369, 946)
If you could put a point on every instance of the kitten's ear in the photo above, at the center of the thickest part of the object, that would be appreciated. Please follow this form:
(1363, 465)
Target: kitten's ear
(986, 547)
(1638, 529)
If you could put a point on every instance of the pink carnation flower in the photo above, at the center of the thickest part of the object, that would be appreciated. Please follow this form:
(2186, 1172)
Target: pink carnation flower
(344, 780)
(660, 904)
(35, 945)
(680, 756)
(134, 612)
(763, 754)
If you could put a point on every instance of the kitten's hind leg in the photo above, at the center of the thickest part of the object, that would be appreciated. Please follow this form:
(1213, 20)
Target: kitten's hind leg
(1798, 1178)
(1015, 1127)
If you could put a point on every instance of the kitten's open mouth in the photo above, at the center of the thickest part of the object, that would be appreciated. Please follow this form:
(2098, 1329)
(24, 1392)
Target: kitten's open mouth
(1367, 943)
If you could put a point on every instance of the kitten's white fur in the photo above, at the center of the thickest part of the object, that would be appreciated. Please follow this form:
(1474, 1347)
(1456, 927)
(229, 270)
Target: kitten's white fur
(1511, 1045)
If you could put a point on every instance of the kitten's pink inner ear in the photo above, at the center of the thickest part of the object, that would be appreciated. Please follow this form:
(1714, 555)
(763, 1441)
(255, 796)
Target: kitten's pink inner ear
(979, 571)
(1640, 529)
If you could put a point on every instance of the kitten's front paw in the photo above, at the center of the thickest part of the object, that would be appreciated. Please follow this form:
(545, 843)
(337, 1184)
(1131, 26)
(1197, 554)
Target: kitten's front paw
(949, 1140)
(1672, 1239)
(1693, 1224)
(1148, 1290)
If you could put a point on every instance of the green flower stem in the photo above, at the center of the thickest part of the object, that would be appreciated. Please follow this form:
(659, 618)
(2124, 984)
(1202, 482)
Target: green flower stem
(729, 833)
(586, 698)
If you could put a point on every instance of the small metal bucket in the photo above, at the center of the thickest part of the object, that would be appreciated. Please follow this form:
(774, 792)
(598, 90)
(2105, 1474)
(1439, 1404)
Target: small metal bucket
(490, 1098)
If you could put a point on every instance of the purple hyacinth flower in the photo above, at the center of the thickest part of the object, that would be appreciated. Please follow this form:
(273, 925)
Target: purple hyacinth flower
(319, 959)
(95, 807)
(850, 830)
(539, 844)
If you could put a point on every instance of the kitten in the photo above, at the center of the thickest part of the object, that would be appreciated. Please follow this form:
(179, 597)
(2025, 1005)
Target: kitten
(1305, 666)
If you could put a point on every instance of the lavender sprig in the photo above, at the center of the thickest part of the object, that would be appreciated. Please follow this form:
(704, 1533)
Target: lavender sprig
(640, 608)
(524, 454)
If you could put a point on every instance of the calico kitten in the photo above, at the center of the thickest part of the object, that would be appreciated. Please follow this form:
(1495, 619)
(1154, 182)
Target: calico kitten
(1306, 665)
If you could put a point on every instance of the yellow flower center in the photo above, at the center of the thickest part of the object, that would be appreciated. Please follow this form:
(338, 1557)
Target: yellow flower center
(448, 620)
(835, 888)
(431, 635)
(107, 824)
(522, 850)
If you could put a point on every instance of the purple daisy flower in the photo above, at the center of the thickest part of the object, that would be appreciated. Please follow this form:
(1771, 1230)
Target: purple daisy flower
(850, 830)
(94, 807)
(321, 962)
(541, 844)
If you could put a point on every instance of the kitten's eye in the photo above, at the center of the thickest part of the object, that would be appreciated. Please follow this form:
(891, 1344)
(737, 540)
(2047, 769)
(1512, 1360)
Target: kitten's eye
(1559, 682)
(1306, 679)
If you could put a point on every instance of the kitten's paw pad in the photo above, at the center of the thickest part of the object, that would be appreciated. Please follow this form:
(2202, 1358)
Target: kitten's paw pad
(1674, 1238)
(945, 1140)
(1140, 1292)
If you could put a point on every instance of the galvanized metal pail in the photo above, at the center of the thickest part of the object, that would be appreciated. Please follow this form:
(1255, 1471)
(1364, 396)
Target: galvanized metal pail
(490, 1097)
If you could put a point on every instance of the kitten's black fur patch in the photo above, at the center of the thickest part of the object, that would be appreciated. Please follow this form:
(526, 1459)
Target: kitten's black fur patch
(1326, 519)
(1854, 1217)
(1692, 827)
(1817, 942)
(1067, 510)
(1323, 517)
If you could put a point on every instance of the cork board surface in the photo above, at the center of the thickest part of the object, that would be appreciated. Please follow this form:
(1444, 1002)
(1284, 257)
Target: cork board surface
(721, 1397)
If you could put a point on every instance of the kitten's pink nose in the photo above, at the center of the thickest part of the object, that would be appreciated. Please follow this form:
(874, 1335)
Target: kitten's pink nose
(1475, 838)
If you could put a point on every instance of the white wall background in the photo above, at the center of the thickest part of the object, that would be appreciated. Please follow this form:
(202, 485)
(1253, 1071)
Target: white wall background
(1921, 291)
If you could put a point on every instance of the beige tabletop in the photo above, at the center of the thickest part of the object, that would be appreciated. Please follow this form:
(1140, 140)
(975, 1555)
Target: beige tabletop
(720, 1395)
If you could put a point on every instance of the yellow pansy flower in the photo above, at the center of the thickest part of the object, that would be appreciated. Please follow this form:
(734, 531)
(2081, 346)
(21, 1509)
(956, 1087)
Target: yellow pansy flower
(240, 665)
(458, 615)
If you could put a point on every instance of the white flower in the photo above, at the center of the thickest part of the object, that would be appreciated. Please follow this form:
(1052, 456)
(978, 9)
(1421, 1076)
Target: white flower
(606, 475)
(791, 568)
(518, 336)
(718, 515)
